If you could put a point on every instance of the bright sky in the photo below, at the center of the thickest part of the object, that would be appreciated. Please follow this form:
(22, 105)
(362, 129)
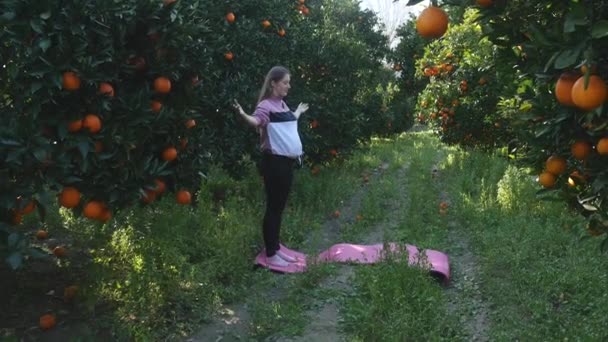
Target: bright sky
(393, 14)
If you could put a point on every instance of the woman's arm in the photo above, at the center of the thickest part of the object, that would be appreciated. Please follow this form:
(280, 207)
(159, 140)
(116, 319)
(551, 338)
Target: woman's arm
(251, 120)
(302, 107)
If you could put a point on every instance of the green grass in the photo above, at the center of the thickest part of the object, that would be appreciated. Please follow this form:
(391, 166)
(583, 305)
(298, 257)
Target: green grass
(159, 272)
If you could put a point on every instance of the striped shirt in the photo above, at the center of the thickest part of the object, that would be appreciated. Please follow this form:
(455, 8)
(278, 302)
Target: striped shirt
(278, 128)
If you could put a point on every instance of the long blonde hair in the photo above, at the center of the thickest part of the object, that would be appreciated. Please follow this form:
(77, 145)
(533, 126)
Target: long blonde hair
(275, 74)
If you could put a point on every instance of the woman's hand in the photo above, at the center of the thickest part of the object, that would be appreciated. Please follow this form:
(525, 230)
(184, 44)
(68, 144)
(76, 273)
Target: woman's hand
(302, 107)
(238, 107)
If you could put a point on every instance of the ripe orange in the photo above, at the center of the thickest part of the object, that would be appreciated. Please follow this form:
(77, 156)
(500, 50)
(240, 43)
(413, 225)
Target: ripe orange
(92, 122)
(305, 10)
(547, 179)
(93, 209)
(443, 205)
(314, 123)
(42, 234)
(168, 2)
(333, 152)
(69, 197)
(160, 186)
(190, 123)
(106, 89)
(47, 321)
(59, 251)
(432, 22)
(581, 150)
(69, 293)
(556, 165)
(183, 197)
(156, 106)
(74, 126)
(230, 17)
(149, 196)
(602, 146)
(105, 216)
(162, 85)
(592, 97)
(484, 3)
(563, 88)
(229, 56)
(71, 81)
(28, 208)
(336, 213)
(266, 24)
(315, 170)
(169, 154)
(281, 32)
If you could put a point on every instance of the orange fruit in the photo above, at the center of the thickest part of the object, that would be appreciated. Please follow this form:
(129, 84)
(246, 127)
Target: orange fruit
(106, 89)
(228, 56)
(47, 321)
(169, 154)
(563, 88)
(266, 24)
(336, 213)
(556, 165)
(69, 197)
(28, 208)
(281, 32)
(575, 178)
(443, 205)
(162, 85)
(69, 293)
(230, 17)
(149, 196)
(305, 10)
(105, 216)
(314, 123)
(168, 2)
(602, 146)
(71, 81)
(315, 170)
(59, 251)
(547, 179)
(42, 234)
(183, 197)
(581, 150)
(333, 152)
(138, 62)
(92, 122)
(484, 3)
(592, 97)
(156, 106)
(160, 186)
(93, 209)
(432, 22)
(190, 123)
(75, 126)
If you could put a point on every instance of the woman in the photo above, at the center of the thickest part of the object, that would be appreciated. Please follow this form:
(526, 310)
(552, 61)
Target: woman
(281, 147)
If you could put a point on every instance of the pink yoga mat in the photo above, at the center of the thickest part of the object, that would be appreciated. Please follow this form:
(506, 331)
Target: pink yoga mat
(436, 262)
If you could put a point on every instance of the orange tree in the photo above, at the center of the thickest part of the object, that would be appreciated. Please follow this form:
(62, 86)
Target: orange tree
(557, 111)
(110, 104)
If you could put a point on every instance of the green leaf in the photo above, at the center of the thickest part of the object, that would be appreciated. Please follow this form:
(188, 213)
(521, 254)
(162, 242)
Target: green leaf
(40, 154)
(12, 70)
(13, 239)
(551, 61)
(45, 15)
(600, 29)
(413, 2)
(604, 246)
(37, 253)
(44, 44)
(538, 36)
(567, 58)
(15, 260)
(36, 25)
(84, 148)
(8, 16)
(576, 17)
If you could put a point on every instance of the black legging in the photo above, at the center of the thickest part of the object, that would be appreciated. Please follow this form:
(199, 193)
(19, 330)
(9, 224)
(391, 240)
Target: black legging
(278, 174)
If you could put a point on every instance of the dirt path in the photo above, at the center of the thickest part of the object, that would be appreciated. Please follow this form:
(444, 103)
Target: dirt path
(232, 322)
(323, 324)
(465, 297)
